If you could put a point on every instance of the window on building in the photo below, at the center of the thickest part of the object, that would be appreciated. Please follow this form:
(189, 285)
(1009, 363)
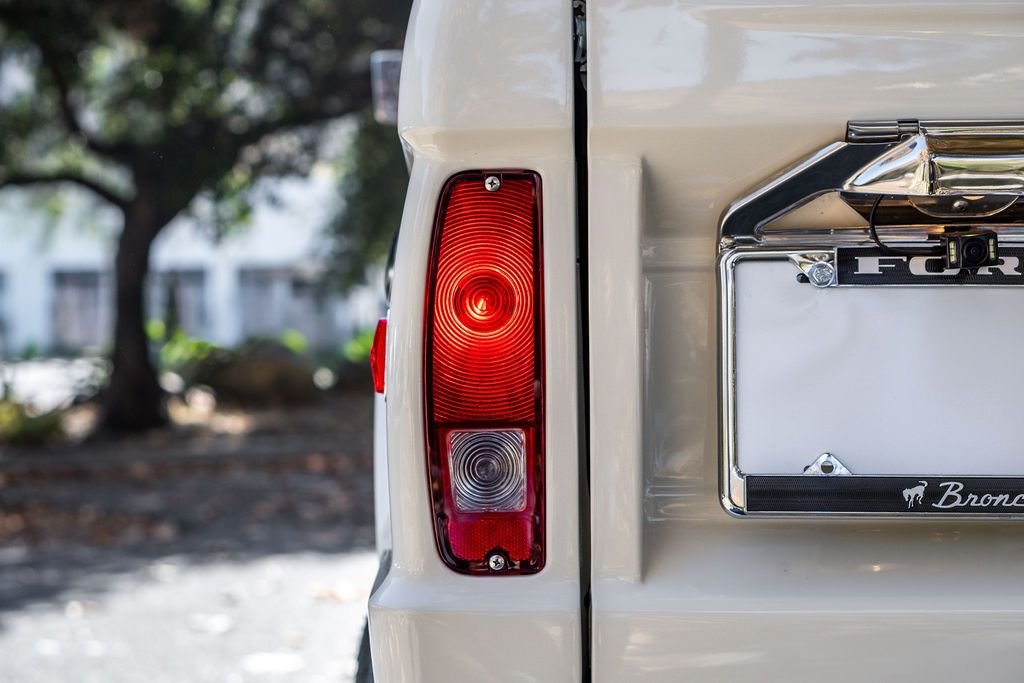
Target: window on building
(264, 298)
(81, 312)
(186, 290)
(309, 313)
(277, 299)
(5, 332)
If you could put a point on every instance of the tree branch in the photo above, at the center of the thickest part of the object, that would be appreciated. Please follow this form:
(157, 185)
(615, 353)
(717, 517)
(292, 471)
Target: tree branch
(100, 190)
(63, 90)
(212, 9)
(119, 152)
(312, 111)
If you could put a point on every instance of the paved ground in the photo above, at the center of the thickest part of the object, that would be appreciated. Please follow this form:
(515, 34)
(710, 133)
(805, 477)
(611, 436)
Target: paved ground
(238, 552)
(47, 383)
(295, 617)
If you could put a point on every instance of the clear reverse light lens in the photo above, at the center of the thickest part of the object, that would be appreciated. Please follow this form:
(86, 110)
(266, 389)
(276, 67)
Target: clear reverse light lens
(488, 469)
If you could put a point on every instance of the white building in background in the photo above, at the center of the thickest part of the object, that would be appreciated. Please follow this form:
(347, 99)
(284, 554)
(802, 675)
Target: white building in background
(56, 275)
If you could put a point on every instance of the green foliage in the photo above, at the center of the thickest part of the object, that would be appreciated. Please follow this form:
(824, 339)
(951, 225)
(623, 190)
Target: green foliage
(30, 351)
(159, 107)
(295, 341)
(373, 192)
(177, 351)
(357, 349)
(156, 331)
(180, 352)
(180, 94)
(19, 427)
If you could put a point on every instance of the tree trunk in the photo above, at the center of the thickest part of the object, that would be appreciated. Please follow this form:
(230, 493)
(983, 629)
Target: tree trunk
(133, 399)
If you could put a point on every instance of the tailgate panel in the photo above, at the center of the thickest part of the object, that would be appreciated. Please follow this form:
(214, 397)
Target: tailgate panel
(692, 105)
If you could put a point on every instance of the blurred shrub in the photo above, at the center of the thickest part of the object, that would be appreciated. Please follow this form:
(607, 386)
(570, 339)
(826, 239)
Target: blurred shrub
(351, 366)
(259, 373)
(178, 352)
(30, 351)
(21, 428)
(357, 349)
(181, 353)
(156, 330)
(295, 341)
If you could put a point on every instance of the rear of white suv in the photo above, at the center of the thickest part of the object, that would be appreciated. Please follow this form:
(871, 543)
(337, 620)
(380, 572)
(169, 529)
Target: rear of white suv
(563, 333)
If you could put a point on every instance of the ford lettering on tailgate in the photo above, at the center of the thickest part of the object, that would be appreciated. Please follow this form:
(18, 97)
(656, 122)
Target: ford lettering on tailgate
(871, 266)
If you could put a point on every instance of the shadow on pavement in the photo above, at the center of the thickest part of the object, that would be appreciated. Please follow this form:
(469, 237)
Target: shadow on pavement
(295, 482)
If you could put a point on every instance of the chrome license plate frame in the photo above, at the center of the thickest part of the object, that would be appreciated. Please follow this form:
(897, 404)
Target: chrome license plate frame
(919, 492)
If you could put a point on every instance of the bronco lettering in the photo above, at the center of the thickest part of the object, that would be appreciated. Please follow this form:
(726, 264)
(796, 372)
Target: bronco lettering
(951, 498)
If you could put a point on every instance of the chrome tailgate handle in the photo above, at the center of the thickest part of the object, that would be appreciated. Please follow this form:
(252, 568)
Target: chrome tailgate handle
(944, 160)
(957, 171)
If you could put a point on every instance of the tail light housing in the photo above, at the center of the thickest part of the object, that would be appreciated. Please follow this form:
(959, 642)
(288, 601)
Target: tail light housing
(484, 378)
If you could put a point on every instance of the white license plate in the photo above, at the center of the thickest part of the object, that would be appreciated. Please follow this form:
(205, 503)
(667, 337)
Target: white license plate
(909, 378)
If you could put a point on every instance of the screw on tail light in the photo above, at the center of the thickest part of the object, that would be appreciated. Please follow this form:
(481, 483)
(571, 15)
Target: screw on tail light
(483, 374)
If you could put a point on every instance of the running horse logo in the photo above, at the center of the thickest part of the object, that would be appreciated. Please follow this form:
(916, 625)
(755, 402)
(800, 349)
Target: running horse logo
(915, 494)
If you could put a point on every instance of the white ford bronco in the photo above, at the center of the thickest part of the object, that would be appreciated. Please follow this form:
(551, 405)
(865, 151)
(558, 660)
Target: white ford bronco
(702, 361)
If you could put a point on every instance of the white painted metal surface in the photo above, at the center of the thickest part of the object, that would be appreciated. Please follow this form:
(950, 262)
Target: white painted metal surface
(693, 104)
(381, 492)
(484, 85)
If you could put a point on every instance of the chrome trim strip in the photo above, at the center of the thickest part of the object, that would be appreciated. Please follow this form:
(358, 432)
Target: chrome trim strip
(892, 130)
(880, 131)
(731, 479)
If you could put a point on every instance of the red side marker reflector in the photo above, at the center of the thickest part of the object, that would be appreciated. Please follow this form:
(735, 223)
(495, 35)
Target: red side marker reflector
(380, 336)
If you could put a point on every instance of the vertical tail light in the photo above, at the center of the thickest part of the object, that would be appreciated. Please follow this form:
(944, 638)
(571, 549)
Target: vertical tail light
(484, 377)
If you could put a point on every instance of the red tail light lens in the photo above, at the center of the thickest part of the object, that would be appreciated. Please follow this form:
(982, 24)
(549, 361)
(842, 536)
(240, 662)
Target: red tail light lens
(484, 374)
(380, 340)
(484, 325)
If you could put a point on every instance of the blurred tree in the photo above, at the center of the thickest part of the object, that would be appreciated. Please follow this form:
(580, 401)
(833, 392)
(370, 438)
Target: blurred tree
(172, 316)
(153, 104)
(373, 192)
